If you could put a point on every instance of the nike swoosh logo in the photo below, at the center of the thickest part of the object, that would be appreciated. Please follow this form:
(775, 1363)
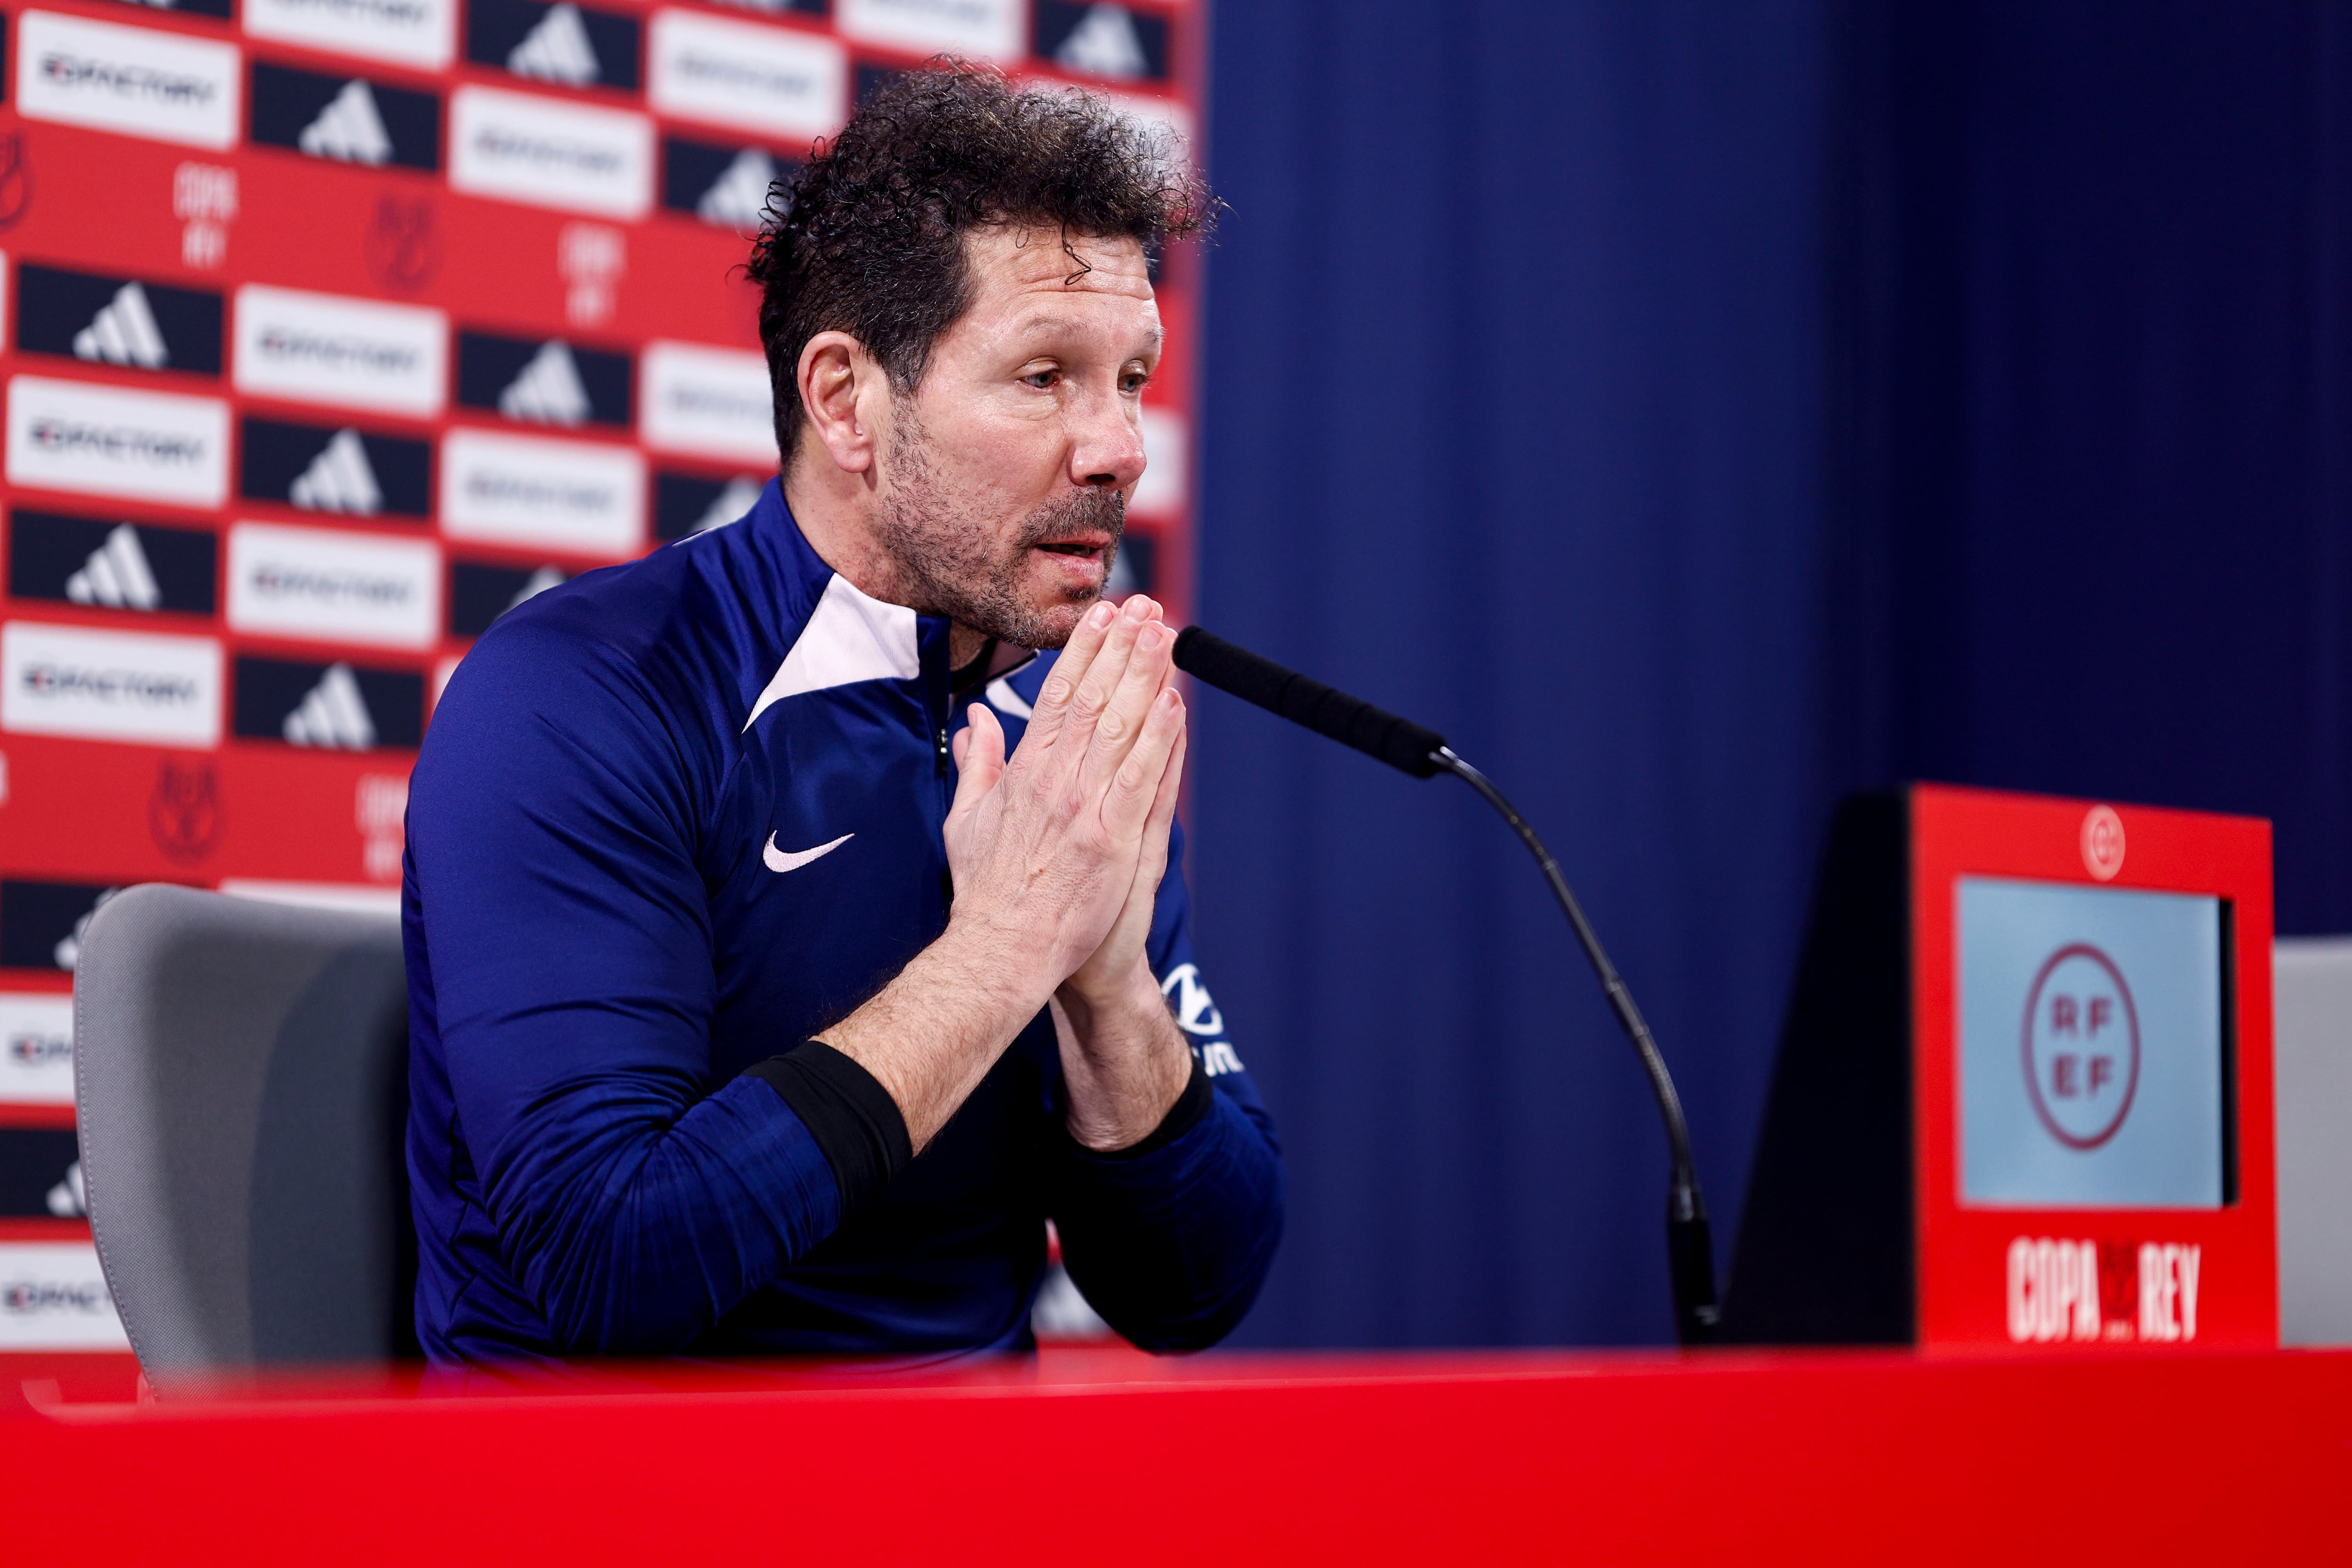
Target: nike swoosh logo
(777, 860)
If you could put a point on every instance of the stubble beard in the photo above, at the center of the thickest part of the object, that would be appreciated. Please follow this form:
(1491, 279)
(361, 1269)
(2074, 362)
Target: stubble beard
(947, 562)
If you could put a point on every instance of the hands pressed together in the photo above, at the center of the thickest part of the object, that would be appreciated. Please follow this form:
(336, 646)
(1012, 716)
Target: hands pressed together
(1056, 856)
(1067, 843)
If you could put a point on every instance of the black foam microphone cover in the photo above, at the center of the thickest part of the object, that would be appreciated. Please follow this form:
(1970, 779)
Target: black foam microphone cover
(1350, 721)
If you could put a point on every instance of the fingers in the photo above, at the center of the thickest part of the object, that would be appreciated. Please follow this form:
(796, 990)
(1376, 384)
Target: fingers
(1149, 667)
(1156, 827)
(1091, 698)
(1069, 668)
(1135, 789)
(980, 763)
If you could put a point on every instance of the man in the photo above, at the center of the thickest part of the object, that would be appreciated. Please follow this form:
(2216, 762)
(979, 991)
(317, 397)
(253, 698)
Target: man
(744, 1023)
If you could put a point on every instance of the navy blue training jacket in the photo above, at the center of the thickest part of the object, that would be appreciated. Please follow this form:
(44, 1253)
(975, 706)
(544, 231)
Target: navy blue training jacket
(599, 945)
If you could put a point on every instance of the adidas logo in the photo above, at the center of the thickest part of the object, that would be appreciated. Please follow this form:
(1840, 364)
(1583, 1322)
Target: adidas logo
(117, 575)
(332, 714)
(538, 582)
(557, 49)
(70, 1199)
(125, 332)
(738, 197)
(67, 951)
(547, 391)
(739, 496)
(1104, 43)
(349, 128)
(339, 479)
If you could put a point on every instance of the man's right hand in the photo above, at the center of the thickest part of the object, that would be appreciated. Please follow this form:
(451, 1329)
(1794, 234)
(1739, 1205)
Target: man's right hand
(1043, 852)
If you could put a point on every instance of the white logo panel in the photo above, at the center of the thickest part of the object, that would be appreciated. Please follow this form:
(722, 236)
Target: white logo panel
(984, 29)
(53, 1297)
(355, 354)
(546, 153)
(715, 402)
(109, 441)
(35, 1049)
(420, 33)
(109, 686)
(166, 87)
(576, 496)
(1160, 491)
(741, 74)
(327, 585)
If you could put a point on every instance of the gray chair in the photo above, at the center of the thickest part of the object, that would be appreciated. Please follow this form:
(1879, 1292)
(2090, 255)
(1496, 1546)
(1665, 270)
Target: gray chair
(240, 1086)
(2314, 977)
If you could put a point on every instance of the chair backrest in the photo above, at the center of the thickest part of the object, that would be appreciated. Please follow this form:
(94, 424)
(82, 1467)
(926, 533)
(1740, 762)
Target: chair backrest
(240, 1084)
(2313, 978)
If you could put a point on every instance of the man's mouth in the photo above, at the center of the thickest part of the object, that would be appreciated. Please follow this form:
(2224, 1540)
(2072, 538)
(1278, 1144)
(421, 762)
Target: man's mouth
(1088, 548)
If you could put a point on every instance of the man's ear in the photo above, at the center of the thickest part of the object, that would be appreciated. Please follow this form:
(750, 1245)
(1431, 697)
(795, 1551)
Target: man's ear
(843, 395)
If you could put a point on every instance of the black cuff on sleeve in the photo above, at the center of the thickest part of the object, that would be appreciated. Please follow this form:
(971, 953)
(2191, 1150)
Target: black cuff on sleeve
(1192, 1109)
(852, 1117)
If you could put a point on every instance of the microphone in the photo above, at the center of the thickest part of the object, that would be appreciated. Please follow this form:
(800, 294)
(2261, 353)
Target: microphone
(1350, 721)
(1422, 753)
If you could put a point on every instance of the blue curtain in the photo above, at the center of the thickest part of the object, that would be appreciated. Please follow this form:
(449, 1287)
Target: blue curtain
(1512, 401)
(1696, 412)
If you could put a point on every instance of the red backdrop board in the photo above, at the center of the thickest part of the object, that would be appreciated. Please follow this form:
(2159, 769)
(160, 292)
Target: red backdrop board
(332, 330)
(2042, 1275)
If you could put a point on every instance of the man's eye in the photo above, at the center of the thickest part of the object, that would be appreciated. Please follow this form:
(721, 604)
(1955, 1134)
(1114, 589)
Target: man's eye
(1133, 381)
(1042, 378)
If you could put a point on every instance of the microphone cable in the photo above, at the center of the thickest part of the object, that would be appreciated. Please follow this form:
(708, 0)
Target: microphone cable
(1421, 751)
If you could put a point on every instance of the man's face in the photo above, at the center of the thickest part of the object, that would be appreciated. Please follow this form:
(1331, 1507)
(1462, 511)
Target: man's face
(1005, 475)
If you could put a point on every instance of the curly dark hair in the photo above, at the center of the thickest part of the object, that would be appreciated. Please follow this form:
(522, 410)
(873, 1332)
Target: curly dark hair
(867, 239)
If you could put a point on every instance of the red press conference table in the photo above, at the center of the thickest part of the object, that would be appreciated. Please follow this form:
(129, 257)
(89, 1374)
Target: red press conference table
(1108, 1458)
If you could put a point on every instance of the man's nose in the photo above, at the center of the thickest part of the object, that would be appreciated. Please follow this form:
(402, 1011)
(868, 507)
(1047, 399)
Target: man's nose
(1108, 448)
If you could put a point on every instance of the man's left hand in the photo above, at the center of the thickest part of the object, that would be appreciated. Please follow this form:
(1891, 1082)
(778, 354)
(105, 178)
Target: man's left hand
(1123, 1057)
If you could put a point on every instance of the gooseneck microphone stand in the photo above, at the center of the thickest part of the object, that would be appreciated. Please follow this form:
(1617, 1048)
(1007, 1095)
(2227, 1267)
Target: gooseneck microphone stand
(1424, 753)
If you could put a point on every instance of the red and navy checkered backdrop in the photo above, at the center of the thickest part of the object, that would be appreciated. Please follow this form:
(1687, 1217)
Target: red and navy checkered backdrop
(333, 330)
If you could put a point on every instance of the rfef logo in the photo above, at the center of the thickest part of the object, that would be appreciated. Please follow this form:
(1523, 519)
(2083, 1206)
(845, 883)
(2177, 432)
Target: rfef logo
(2082, 1046)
